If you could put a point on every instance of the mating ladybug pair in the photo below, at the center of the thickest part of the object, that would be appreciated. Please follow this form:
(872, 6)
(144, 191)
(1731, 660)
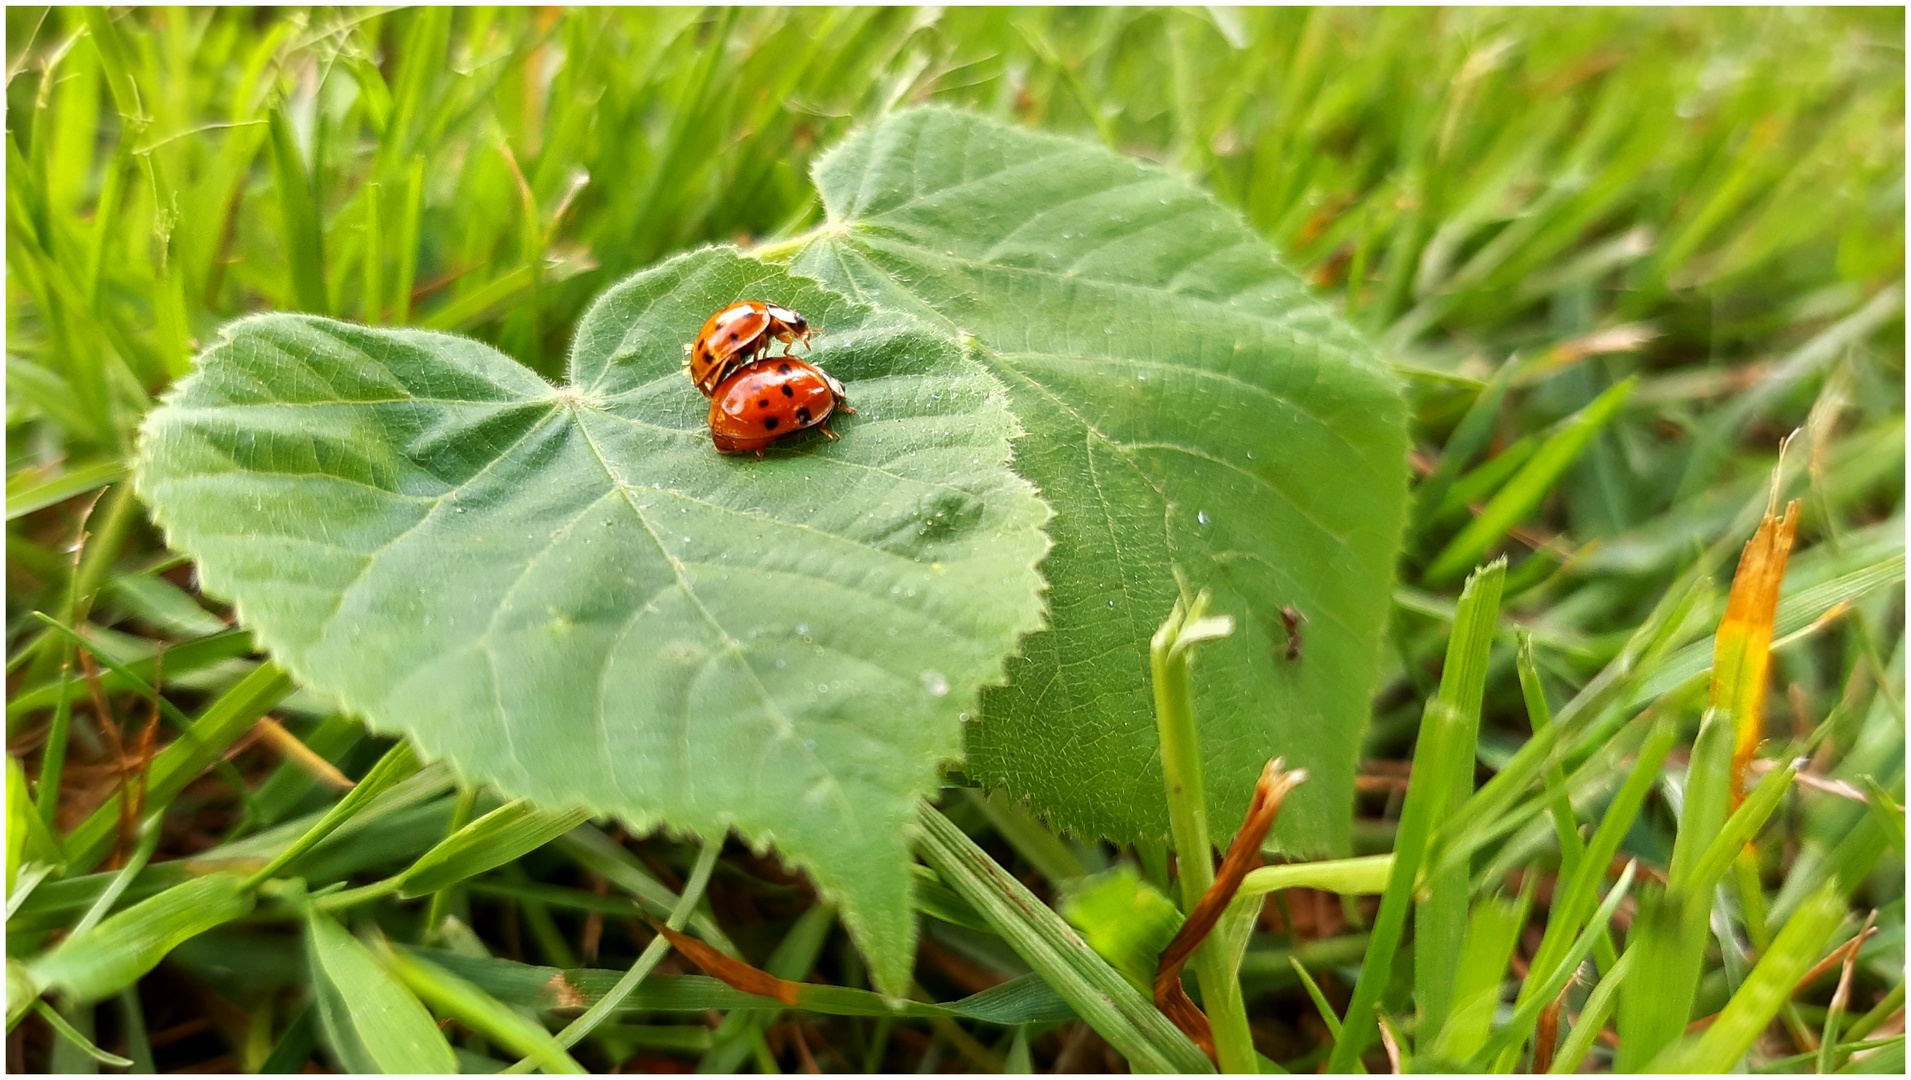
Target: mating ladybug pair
(755, 398)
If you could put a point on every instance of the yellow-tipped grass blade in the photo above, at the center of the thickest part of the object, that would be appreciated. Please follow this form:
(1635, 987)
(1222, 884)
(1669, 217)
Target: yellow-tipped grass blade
(1742, 651)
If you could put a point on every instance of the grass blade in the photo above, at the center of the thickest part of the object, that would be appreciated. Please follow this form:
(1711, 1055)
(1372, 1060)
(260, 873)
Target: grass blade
(298, 217)
(113, 955)
(72, 1035)
(371, 1021)
(1764, 992)
(1440, 916)
(1592, 1018)
(491, 841)
(1492, 932)
(1526, 1016)
(399, 763)
(1522, 493)
(479, 1011)
(1442, 760)
(1097, 993)
(25, 493)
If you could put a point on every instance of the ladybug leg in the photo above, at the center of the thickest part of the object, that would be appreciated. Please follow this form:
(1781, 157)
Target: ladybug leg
(759, 455)
(832, 435)
(843, 406)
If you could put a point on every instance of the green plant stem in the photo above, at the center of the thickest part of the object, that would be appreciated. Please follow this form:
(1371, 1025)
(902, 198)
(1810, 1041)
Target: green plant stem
(1188, 819)
(648, 959)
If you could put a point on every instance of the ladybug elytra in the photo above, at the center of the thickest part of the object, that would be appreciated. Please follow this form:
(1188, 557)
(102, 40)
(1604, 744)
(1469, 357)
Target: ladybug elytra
(739, 334)
(769, 399)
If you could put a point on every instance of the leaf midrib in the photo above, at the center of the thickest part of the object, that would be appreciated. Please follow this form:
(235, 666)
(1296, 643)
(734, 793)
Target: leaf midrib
(1121, 449)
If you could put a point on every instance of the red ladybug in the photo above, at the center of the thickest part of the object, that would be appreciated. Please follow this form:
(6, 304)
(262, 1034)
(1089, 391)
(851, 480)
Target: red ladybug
(768, 399)
(739, 334)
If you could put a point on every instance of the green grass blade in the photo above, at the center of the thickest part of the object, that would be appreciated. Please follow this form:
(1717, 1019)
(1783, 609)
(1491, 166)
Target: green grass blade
(1097, 993)
(372, 284)
(1170, 656)
(1887, 1060)
(453, 997)
(491, 841)
(295, 1044)
(1469, 437)
(1491, 934)
(399, 763)
(298, 218)
(1574, 899)
(371, 1021)
(26, 494)
(73, 1036)
(1440, 916)
(1886, 1007)
(1764, 992)
(182, 659)
(1321, 1004)
(1522, 493)
(408, 233)
(113, 955)
(1526, 1016)
(1592, 1019)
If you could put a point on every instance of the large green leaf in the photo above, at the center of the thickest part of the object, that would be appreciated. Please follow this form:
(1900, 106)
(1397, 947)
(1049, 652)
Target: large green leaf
(569, 594)
(1187, 404)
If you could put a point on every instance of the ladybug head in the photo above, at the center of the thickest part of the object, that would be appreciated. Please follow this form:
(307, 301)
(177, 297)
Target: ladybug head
(788, 318)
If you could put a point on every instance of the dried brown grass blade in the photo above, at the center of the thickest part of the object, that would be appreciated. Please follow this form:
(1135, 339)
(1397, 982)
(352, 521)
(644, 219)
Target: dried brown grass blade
(1243, 855)
(729, 969)
(292, 749)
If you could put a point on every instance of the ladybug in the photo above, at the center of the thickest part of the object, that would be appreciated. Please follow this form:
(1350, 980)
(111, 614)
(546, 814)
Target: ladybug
(765, 400)
(739, 334)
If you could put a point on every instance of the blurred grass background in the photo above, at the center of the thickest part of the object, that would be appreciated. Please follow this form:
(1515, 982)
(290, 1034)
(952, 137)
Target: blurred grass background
(1525, 208)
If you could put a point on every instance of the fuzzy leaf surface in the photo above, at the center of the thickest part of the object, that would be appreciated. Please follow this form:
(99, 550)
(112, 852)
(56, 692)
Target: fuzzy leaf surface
(571, 596)
(1187, 404)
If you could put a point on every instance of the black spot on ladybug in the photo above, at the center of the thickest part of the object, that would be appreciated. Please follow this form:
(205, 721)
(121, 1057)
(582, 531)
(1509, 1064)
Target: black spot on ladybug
(783, 369)
(787, 392)
(733, 335)
(763, 403)
(769, 423)
(802, 414)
